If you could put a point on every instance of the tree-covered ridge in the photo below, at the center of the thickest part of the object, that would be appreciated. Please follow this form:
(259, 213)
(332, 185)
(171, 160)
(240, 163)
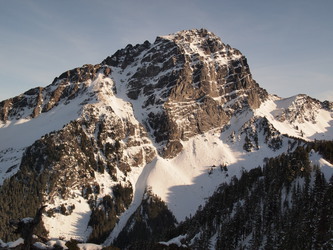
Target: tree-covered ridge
(150, 223)
(105, 214)
(287, 204)
(55, 165)
(325, 148)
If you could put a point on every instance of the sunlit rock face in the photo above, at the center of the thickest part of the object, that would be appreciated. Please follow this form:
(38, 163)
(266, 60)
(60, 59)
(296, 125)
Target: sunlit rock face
(187, 83)
(151, 131)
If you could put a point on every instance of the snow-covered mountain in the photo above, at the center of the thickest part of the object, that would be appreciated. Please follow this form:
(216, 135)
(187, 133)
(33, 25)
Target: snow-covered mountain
(164, 123)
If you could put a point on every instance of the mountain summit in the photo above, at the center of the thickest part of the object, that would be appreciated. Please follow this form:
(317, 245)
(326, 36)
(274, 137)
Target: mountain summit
(140, 141)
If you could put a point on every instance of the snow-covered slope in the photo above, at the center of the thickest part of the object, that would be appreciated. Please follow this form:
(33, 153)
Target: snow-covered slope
(178, 117)
(20, 132)
(299, 116)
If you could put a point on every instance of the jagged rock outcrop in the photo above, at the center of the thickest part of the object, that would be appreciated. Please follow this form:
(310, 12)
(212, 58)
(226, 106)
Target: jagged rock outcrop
(89, 144)
(62, 164)
(187, 83)
(63, 89)
(301, 108)
(195, 82)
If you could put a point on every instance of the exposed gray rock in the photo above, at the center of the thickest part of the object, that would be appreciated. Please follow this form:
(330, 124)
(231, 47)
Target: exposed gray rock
(180, 86)
(195, 81)
(64, 88)
(201, 82)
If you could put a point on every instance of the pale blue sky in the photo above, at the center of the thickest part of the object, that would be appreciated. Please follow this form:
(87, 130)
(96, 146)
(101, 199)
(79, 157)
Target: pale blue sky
(288, 43)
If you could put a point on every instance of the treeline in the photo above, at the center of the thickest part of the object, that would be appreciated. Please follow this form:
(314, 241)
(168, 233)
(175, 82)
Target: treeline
(325, 148)
(105, 213)
(287, 204)
(150, 223)
(19, 198)
(52, 166)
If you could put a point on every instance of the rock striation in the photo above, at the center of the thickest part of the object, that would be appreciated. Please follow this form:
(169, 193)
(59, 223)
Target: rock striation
(92, 143)
(189, 82)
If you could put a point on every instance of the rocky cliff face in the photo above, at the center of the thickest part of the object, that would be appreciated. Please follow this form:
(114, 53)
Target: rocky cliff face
(188, 83)
(60, 168)
(40, 100)
(102, 141)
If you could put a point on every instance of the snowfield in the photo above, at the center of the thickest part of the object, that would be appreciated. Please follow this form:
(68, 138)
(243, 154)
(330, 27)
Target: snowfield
(314, 123)
(184, 182)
